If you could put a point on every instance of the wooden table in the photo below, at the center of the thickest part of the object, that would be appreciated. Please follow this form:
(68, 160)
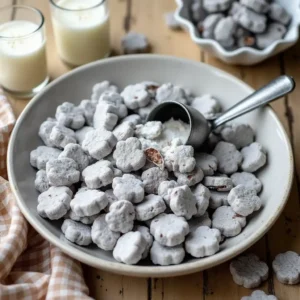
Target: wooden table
(146, 16)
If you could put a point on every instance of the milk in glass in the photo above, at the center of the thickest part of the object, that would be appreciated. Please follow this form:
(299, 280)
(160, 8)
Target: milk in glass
(81, 30)
(23, 64)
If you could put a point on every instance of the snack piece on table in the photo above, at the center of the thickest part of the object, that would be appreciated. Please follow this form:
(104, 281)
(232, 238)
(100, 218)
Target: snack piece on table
(135, 43)
(249, 271)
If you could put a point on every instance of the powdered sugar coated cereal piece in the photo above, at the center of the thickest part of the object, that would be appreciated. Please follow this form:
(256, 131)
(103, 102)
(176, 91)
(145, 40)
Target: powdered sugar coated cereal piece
(259, 295)
(88, 108)
(116, 100)
(152, 206)
(129, 188)
(135, 43)
(136, 96)
(170, 92)
(130, 248)
(76, 153)
(41, 182)
(152, 178)
(196, 222)
(133, 119)
(121, 216)
(88, 202)
(111, 198)
(77, 233)
(62, 171)
(123, 131)
(208, 25)
(145, 111)
(203, 241)
(54, 203)
(85, 220)
(248, 180)
(129, 156)
(212, 6)
(105, 116)
(220, 184)
(45, 131)
(99, 143)
(151, 87)
(68, 115)
(150, 130)
(98, 174)
(102, 236)
(235, 7)
(165, 256)
(61, 136)
(100, 88)
(274, 32)
(180, 158)
(202, 195)
(207, 163)
(224, 32)
(229, 158)
(279, 14)
(254, 157)
(41, 155)
(287, 267)
(169, 230)
(260, 6)
(183, 202)
(164, 189)
(218, 199)
(190, 178)
(207, 105)
(240, 135)
(250, 20)
(197, 11)
(81, 133)
(248, 271)
(147, 236)
(227, 221)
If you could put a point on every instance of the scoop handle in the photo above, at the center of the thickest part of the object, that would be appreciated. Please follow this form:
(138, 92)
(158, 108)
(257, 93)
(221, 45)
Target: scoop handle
(272, 91)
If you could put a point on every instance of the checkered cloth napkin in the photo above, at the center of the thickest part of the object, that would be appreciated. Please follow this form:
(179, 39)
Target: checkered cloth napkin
(30, 267)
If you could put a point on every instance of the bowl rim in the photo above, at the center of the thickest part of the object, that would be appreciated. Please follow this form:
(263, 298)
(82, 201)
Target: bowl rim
(243, 50)
(137, 270)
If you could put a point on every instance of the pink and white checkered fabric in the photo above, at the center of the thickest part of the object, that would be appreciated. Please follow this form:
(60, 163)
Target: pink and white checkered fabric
(30, 267)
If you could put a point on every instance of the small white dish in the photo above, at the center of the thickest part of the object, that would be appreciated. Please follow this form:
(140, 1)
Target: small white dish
(245, 55)
(200, 79)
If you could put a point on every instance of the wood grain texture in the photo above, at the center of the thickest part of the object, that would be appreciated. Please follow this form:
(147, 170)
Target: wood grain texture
(148, 17)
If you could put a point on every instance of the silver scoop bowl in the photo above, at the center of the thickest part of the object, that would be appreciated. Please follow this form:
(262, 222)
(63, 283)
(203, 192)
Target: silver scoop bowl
(200, 128)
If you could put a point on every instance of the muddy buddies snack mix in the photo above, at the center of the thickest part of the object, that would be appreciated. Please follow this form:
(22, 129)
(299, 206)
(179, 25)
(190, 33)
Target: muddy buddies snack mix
(135, 188)
(240, 23)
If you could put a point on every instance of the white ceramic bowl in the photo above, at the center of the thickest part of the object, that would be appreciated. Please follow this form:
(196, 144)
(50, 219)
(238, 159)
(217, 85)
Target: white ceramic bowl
(199, 78)
(244, 55)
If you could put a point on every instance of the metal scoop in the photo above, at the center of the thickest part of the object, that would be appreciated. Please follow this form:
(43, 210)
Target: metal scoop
(200, 128)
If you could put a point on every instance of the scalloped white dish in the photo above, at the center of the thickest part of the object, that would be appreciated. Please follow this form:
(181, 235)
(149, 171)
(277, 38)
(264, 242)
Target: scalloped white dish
(200, 79)
(245, 55)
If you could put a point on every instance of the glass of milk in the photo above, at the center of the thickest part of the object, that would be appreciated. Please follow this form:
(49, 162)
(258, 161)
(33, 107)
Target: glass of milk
(81, 30)
(23, 65)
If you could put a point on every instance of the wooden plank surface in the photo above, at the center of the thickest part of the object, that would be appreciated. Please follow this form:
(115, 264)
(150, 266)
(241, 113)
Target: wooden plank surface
(215, 284)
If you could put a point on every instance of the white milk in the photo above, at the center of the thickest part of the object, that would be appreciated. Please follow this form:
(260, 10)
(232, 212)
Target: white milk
(23, 64)
(81, 36)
